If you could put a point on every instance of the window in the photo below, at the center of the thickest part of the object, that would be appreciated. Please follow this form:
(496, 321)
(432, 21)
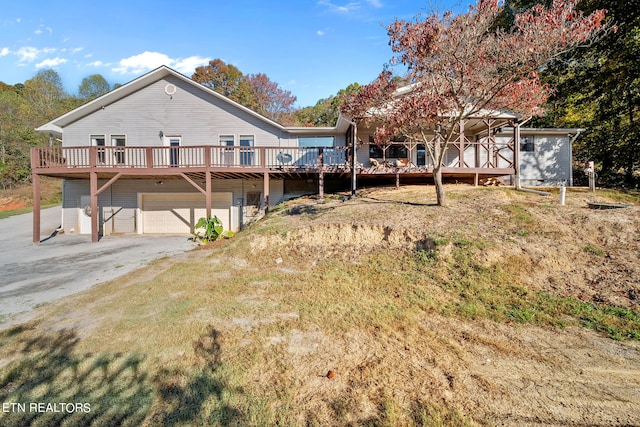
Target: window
(316, 141)
(246, 154)
(227, 140)
(174, 151)
(421, 155)
(393, 152)
(227, 153)
(527, 144)
(99, 141)
(119, 141)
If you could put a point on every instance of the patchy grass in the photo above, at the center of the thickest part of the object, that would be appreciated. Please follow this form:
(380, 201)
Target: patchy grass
(243, 332)
(591, 250)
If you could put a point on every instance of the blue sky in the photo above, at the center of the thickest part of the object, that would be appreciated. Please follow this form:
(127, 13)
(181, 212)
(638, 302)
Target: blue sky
(312, 48)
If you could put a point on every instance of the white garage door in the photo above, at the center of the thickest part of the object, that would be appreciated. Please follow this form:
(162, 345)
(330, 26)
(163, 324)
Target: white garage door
(179, 213)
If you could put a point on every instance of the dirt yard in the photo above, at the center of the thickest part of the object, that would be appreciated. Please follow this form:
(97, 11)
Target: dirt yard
(539, 328)
(495, 373)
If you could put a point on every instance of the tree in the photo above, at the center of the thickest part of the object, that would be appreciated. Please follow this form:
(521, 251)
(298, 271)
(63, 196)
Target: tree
(462, 65)
(599, 89)
(270, 100)
(45, 93)
(93, 87)
(325, 112)
(227, 80)
(16, 138)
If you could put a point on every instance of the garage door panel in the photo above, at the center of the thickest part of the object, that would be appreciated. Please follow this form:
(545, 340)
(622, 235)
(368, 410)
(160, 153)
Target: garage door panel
(179, 213)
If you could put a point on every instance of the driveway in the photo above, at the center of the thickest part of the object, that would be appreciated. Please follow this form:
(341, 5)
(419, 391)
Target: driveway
(66, 264)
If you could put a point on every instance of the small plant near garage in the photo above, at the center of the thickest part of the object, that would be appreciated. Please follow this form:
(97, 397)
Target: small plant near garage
(210, 229)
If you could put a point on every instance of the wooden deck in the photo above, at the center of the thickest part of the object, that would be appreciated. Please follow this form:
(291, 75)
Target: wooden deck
(198, 165)
(222, 162)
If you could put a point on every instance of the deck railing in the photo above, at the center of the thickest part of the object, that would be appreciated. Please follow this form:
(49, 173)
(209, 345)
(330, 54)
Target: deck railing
(188, 157)
(241, 158)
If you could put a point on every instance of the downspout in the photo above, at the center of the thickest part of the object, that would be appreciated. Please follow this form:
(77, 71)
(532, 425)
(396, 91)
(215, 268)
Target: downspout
(61, 228)
(516, 151)
(571, 141)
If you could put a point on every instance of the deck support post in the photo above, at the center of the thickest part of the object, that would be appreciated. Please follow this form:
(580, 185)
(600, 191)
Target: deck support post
(266, 192)
(397, 180)
(35, 178)
(516, 154)
(94, 206)
(475, 182)
(207, 194)
(321, 173)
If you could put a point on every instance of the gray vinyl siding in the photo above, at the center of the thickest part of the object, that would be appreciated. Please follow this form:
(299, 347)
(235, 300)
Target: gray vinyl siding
(199, 117)
(119, 203)
(549, 163)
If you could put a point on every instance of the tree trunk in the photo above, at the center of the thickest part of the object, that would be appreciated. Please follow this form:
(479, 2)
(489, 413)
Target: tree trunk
(437, 180)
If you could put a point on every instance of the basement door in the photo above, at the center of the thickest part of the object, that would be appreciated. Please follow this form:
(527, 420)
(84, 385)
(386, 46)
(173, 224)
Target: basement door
(178, 213)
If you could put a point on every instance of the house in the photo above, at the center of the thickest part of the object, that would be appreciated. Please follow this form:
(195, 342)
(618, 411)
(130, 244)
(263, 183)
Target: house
(158, 153)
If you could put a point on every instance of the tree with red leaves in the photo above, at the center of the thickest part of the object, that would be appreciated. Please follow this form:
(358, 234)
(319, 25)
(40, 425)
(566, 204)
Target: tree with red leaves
(462, 66)
(271, 100)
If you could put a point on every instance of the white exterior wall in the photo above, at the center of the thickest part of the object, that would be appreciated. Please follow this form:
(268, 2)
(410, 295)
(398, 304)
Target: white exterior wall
(549, 163)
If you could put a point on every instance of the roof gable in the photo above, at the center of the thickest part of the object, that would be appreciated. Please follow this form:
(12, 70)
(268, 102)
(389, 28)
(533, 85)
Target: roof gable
(58, 124)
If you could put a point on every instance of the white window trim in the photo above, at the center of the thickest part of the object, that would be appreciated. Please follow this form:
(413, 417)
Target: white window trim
(116, 135)
(220, 135)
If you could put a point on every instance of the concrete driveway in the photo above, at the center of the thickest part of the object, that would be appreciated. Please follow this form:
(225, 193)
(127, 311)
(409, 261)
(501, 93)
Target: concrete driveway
(62, 265)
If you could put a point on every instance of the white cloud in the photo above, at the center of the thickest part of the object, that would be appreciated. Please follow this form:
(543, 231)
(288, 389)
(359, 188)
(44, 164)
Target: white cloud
(146, 61)
(349, 7)
(52, 62)
(188, 65)
(40, 30)
(27, 54)
(143, 62)
(5, 51)
(97, 64)
(320, 33)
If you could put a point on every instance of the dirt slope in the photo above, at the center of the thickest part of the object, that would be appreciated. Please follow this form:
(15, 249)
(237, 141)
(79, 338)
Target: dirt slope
(494, 373)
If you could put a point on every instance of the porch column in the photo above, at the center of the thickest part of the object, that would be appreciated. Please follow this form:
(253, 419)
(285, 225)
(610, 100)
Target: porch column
(516, 153)
(35, 178)
(461, 147)
(94, 206)
(207, 194)
(266, 192)
(354, 160)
